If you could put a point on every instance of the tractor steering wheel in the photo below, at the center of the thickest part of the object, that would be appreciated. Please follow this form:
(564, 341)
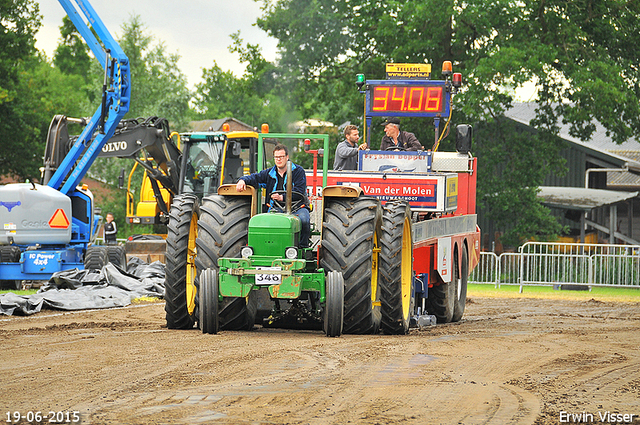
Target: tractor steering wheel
(298, 200)
(395, 148)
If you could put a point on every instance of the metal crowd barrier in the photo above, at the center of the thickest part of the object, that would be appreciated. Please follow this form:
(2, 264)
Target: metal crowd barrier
(548, 263)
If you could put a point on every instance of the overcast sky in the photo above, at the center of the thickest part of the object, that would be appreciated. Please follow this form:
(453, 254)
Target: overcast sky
(197, 30)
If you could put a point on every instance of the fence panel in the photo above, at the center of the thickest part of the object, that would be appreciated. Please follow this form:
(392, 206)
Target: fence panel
(487, 270)
(509, 269)
(546, 263)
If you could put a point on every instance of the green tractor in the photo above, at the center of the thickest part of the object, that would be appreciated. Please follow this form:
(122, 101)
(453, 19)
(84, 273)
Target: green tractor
(271, 261)
(244, 267)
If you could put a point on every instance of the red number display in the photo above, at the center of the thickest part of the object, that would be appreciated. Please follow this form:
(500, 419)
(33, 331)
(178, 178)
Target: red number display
(390, 98)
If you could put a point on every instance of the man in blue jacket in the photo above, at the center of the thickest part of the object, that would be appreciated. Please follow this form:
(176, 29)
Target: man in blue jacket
(274, 179)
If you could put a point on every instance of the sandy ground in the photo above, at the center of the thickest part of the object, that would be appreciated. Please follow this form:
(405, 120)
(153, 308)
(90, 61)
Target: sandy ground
(510, 361)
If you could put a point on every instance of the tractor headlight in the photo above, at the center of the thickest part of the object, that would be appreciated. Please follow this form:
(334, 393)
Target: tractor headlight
(246, 252)
(291, 253)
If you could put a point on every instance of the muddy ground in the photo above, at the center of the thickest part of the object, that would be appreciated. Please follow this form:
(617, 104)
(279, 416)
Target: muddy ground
(510, 361)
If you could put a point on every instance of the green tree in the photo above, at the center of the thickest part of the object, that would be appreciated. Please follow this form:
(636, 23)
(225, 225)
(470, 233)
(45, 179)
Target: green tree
(158, 88)
(579, 54)
(19, 127)
(255, 97)
(72, 54)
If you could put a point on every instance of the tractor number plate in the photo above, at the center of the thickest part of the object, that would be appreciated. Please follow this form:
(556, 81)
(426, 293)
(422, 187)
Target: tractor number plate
(268, 279)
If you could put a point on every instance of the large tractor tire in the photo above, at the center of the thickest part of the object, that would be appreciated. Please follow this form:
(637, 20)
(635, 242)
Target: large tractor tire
(461, 280)
(95, 258)
(350, 232)
(396, 268)
(442, 298)
(180, 291)
(10, 254)
(222, 232)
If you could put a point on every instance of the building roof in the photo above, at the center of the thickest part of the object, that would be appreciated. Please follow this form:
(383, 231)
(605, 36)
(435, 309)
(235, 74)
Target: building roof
(600, 146)
(216, 125)
(578, 198)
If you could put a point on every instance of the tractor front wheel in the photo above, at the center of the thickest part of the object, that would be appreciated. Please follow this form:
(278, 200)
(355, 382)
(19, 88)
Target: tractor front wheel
(209, 322)
(334, 308)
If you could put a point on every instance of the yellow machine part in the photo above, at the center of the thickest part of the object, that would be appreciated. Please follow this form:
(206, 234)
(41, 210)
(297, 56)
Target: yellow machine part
(147, 207)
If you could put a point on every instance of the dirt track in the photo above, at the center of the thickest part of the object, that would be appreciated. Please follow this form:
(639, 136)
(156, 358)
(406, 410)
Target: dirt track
(523, 361)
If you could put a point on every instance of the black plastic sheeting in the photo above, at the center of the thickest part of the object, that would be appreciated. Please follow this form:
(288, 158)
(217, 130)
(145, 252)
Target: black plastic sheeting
(90, 289)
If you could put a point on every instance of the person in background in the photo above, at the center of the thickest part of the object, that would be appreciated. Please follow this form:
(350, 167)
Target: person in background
(401, 140)
(347, 150)
(274, 179)
(110, 230)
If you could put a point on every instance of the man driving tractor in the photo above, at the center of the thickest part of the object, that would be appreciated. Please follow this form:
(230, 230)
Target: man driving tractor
(274, 181)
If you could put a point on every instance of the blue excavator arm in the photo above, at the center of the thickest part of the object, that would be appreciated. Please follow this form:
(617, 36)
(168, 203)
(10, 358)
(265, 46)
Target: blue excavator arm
(115, 97)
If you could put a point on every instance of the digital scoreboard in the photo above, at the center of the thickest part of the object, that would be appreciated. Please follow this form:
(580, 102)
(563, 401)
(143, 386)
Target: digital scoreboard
(407, 98)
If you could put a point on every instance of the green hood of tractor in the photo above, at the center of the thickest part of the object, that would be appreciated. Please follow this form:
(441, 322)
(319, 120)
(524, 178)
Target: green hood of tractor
(271, 233)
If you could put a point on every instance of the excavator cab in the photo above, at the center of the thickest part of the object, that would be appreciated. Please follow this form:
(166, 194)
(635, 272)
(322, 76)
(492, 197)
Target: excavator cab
(202, 160)
(213, 158)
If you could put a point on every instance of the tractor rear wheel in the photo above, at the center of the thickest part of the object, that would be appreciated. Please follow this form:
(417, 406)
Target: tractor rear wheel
(334, 308)
(462, 278)
(222, 232)
(396, 268)
(95, 258)
(350, 232)
(208, 295)
(180, 292)
(10, 254)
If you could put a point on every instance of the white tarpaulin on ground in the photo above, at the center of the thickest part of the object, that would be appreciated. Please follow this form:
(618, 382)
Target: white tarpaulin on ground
(89, 289)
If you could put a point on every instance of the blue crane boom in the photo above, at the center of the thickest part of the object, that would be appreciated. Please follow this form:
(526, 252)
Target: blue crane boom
(49, 228)
(116, 95)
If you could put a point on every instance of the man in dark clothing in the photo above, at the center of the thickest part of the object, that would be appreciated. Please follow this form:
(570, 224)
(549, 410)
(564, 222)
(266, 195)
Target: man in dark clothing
(274, 179)
(110, 230)
(347, 150)
(398, 139)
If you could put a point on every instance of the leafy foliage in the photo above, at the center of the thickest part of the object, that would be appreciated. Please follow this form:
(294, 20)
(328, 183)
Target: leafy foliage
(19, 21)
(578, 54)
(72, 54)
(255, 98)
(159, 88)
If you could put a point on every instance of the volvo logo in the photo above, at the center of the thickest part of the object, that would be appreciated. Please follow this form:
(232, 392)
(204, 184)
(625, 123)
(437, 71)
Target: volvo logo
(114, 146)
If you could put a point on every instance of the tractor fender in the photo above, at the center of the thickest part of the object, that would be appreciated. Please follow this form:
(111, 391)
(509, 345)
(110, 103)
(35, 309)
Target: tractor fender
(230, 190)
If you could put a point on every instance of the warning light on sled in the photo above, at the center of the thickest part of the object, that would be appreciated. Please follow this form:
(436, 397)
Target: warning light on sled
(360, 81)
(457, 79)
(447, 68)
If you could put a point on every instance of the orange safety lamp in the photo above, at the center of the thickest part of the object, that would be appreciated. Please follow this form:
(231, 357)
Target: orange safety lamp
(226, 127)
(447, 68)
(264, 128)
